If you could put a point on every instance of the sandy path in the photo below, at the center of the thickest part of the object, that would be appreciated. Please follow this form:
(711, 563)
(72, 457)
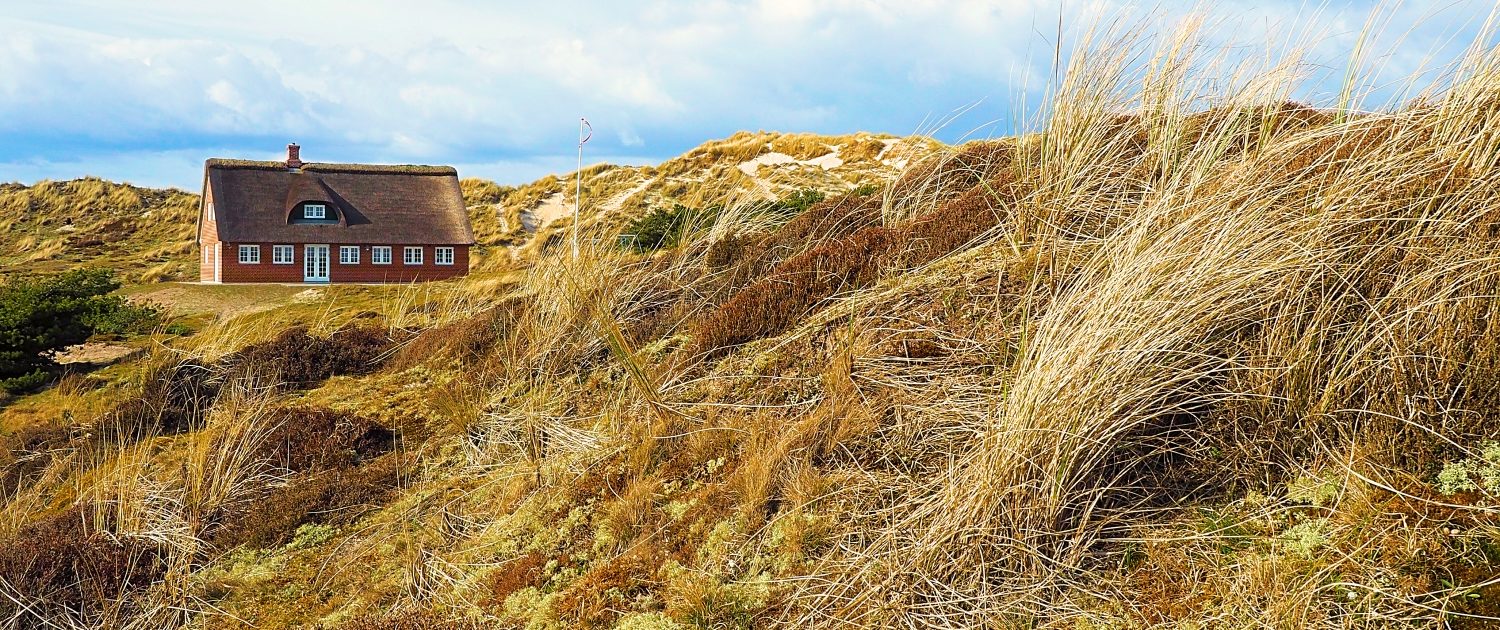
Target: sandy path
(94, 353)
(550, 209)
(616, 202)
(827, 162)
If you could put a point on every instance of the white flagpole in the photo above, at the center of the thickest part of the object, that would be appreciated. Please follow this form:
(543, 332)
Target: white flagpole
(578, 193)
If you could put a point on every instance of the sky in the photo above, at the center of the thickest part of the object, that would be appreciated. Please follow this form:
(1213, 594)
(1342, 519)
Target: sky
(143, 91)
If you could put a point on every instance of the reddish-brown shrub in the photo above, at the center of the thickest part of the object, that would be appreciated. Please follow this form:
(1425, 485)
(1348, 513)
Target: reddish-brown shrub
(467, 340)
(597, 598)
(28, 451)
(795, 288)
(1253, 124)
(299, 360)
(335, 496)
(173, 400)
(511, 577)
(408, 620)
(941, 178)
(307, 438)
(70, 560)
(742, 260)
(340, 474)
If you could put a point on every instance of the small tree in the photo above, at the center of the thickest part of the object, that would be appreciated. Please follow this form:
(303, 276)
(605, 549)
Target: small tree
(39, 315)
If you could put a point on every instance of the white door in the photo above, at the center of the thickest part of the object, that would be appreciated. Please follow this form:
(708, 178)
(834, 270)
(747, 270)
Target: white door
(315, 263)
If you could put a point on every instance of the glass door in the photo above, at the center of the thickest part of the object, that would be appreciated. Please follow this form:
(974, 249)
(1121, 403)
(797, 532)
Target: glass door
(315, 263)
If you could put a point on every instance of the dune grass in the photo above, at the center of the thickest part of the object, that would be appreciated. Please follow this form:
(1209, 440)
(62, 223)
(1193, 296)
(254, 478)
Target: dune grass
(1176, 358)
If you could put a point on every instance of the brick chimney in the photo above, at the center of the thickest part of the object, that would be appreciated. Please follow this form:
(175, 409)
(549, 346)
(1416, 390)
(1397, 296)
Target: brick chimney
(293, 156)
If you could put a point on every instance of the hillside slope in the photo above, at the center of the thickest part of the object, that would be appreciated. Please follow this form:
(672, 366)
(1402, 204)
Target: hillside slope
(1189, 367)
(743, 168)
(148, 235)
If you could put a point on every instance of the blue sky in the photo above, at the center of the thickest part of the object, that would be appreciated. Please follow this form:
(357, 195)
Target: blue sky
(143, 91)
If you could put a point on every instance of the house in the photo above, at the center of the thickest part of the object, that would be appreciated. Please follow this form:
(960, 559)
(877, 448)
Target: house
(308, 222)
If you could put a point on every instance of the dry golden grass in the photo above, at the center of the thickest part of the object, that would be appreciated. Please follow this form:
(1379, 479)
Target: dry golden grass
(54, 225)
(1156, 364)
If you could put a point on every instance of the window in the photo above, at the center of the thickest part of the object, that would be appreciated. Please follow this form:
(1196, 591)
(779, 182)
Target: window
(380, 254)
(209, 210)
(250, 254)
(411, 255)
(442, 255)
(207, 256)
(281, 254)
(314, 211)
(349, 254)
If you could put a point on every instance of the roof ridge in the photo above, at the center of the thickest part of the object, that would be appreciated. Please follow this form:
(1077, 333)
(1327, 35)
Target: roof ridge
(332, 167)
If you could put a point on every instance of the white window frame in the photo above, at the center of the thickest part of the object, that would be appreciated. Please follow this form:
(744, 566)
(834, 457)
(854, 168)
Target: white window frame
(380, 255)
(249, 255)
(439, 257)
(209, 210)
(408, 259)
(283, 255)
(307, 211)
(348, 254)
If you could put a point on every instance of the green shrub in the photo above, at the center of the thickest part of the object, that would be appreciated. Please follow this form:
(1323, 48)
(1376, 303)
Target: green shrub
(25, 382)
(39, 315)
(1473, 474)
(661, 229)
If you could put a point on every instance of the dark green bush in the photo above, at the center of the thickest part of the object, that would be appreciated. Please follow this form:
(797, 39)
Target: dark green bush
(661, 228)
(39, 315)
(26, 382)
(664, 228)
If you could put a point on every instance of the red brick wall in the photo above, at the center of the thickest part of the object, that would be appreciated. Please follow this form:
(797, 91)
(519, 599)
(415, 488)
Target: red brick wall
(364, 272)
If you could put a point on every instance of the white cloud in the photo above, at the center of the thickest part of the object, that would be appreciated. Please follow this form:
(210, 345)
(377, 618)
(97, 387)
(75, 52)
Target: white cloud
(469, 82)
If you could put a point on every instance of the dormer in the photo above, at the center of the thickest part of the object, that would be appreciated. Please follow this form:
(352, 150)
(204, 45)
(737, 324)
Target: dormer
(309, 201)
(314, 212)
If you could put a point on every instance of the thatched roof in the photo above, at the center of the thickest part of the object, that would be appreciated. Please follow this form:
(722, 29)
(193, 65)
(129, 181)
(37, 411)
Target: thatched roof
(374, 204)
